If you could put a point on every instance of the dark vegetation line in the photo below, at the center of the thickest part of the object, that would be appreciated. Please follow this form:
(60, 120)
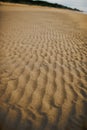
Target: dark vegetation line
(40, 3)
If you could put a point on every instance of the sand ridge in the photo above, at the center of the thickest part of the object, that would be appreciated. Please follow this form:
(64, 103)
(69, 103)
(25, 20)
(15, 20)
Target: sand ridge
(43, 69)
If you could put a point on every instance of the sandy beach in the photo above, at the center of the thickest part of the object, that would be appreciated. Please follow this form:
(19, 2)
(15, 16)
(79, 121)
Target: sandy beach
(43, 68)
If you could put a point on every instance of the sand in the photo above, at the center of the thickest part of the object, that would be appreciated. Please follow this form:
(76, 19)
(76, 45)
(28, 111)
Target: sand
(43, 68)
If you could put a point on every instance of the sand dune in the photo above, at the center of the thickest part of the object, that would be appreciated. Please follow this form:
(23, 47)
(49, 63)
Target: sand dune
(43, 69)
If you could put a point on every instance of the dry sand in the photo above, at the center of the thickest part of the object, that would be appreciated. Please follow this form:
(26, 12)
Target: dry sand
(43, 72)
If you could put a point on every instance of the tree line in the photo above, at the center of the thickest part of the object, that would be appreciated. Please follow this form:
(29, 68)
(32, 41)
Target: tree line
(40, 3)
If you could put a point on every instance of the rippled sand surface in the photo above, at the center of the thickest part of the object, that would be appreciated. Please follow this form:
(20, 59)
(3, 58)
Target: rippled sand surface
(43, 68)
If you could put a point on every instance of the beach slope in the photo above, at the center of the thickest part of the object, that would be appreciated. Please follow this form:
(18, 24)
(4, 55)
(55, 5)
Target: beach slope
(43, 68)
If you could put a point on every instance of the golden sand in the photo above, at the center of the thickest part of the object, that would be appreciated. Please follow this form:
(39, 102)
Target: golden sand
(43, 68)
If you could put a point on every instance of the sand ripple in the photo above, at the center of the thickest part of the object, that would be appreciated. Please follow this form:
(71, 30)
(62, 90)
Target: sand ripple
(43, 72)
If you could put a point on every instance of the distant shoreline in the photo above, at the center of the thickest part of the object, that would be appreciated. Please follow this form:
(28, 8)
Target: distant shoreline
(84, 12)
